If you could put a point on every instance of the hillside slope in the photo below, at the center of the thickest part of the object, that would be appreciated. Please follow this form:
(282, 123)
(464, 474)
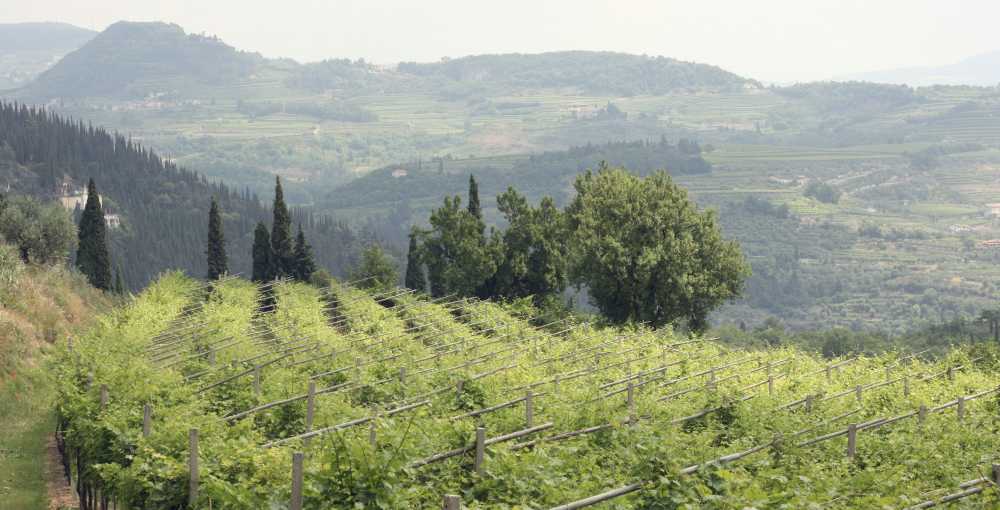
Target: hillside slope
(161, 209)
(401, 385)
(39, 306)
(27, 49)
(139, 59)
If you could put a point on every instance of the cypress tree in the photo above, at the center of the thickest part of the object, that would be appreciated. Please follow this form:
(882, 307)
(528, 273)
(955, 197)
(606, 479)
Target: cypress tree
(263, 270)
(281, 235)
(217, 260)
(92, 257)
(474, 208)
(414, 278)
(119, 284)
(305, 266)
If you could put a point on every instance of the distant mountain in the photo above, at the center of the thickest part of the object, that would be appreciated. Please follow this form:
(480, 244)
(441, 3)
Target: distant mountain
(27, 49)
(980, 70)
(129, 60)
(590, 71)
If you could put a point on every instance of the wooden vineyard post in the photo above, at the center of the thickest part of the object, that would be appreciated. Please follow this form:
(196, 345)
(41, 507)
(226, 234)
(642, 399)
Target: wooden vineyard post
(402, 375)
(104, 396)
(555, 385)
(960, 411)
(529, 409)
(829, 371)
(922, 414)
(193, 467)
(357, 370)
(211, 357)
(458, 388)
(147, 420)
(452, 502)
(631, 403)
(888, 373)
(951, 373)
(858, 393)
(770, 385)
(480, 449)
(906, 386)
(296, 503)
(69, 343)
(711, 380)
(256, 380)
(852, 440)
(310, 409)
(809, 403)
(996, 474)
(372, 433)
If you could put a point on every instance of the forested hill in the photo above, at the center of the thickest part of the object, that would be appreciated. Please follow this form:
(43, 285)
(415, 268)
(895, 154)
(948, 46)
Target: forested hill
(139, 59)
(132, 60)
(590, 71)
(163, 208)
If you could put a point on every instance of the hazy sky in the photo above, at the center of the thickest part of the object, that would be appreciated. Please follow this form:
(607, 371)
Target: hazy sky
(771, 40)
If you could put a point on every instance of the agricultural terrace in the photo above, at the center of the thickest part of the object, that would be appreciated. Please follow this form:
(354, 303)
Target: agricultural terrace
(290, 396)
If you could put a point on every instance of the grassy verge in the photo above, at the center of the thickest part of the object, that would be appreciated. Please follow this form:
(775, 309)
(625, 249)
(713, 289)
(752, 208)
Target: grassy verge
(26, 420)
(38, 306)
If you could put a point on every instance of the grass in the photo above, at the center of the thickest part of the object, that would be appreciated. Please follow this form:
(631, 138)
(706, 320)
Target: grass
(41, 305)
(26, 419)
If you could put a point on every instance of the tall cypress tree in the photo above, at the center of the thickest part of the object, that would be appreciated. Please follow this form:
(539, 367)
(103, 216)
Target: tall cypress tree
(92, 257)
(474, 208)
(281, 235)
(263, 269)
(414, 278)
(305, 266)
(119, 287)
(218, 263)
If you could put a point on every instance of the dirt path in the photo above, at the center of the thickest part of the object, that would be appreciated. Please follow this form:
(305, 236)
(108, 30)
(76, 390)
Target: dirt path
(61, 494)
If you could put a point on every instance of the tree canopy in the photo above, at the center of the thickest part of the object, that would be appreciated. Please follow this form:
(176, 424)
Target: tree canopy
(646, 253)
(92, 257)
(42, 233)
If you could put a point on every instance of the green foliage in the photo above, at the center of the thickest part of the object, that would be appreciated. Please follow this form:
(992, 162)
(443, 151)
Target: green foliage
(282, 247)
(92, 257)
(343, 470)
(377, 269)
(263, 263)
(162, 207)
(646, 253)
(474, 209)
(305, 266)
(415, 278)
(42, 233)
(218, 263)
(822, 191)
(459, 259)
(535, 259)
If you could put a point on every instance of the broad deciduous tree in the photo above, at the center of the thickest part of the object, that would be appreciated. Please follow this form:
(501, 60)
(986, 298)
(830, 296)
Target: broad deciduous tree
(646, 253)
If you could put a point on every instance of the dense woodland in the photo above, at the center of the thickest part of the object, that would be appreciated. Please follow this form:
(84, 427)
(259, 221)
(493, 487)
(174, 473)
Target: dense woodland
(162, 207)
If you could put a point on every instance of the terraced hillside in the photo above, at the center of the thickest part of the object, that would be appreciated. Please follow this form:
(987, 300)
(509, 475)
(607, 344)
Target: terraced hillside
(287, 395)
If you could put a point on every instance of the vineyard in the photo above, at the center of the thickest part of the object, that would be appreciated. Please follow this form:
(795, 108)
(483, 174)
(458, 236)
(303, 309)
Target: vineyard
(286, 395)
